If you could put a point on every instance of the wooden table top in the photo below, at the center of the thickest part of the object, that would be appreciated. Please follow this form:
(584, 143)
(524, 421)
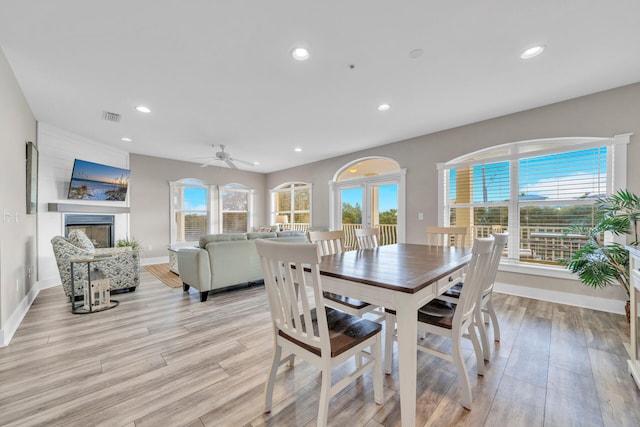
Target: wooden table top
(401, 267)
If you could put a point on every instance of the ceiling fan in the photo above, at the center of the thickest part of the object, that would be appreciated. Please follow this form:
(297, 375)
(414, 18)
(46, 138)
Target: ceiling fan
(223, 156)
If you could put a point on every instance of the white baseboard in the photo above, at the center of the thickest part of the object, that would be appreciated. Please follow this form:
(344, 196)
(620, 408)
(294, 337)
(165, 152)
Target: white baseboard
(155, 260)
(585, 301)
(13, 322)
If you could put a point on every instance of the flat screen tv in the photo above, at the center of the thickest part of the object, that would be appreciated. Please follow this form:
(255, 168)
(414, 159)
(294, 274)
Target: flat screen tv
(93, 181)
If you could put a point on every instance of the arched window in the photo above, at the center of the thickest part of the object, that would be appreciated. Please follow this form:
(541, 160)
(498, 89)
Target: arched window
(291, 206)
(236, 206)
(535, 189)
(190, 212)
(369, 192)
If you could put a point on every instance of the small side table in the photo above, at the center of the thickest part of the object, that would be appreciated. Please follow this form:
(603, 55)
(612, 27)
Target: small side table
(80, 309)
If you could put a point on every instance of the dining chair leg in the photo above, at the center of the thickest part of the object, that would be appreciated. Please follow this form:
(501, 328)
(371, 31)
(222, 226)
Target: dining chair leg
(477, 349)
(482, 330)
(325, 396)
(458, 359)
(494, 320)
(389, 332)
(376, 351)
(271, 378)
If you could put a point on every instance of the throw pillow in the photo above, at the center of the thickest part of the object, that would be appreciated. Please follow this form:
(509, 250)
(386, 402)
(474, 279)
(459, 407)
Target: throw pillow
(79, 239)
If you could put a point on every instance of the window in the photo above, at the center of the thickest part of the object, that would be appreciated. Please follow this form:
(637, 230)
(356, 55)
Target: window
(235, 203)
(189, 210)
(291, 206)
(536, 190)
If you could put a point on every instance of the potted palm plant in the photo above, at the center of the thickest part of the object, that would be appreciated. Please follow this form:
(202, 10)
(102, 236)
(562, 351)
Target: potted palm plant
(599, 263)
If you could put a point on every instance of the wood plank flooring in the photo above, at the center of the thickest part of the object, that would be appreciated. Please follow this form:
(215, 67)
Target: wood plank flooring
(162, 358)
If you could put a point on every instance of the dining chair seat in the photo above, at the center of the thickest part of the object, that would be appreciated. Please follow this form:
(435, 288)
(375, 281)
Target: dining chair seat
(345, 333)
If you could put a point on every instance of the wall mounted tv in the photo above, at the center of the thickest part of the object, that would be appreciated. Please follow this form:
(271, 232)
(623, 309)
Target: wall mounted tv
(93, 181)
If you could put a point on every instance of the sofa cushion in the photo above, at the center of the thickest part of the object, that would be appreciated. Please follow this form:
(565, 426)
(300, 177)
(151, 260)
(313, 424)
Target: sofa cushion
(259, 235)
(79, 239)
(290, 233)
(220, 238)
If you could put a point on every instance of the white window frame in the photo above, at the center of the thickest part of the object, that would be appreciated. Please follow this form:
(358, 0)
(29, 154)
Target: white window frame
(240, 188)
(616, 179)
(291, 187)
(188, 182)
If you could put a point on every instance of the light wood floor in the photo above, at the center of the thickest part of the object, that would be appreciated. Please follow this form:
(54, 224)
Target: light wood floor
(162, 358)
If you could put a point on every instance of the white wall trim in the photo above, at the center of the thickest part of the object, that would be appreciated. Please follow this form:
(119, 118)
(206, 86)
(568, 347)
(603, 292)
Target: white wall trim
(585, 301)
(13, 322)
(155, 260)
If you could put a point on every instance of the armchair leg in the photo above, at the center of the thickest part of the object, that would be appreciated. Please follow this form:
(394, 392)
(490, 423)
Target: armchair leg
(185, 287)
(203, 296)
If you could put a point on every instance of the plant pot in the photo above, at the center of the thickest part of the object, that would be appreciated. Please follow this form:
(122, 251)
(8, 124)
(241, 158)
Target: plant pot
(627, 310)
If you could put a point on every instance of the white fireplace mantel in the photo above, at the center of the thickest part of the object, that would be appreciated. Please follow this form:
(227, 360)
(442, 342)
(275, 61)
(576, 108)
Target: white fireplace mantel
(84, 208)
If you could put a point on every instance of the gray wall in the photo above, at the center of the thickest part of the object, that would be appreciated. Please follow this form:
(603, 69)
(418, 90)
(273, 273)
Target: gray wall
(17, 229)
(603, 114)
(149, 197)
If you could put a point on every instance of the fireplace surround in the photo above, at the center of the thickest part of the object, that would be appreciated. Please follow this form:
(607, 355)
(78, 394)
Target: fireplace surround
(98, 228)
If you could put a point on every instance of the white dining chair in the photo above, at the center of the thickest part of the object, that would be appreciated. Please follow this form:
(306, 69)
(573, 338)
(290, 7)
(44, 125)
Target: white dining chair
(303, 326)
(485, 304)
(329, 243)
(453, 321)
(446, 236)
(368, 237)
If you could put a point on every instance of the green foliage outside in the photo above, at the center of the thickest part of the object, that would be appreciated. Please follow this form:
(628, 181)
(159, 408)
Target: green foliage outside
(353, 215)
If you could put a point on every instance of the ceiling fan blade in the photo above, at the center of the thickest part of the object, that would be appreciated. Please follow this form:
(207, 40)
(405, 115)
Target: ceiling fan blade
(209, 163)
(243, 161)
(230, 163)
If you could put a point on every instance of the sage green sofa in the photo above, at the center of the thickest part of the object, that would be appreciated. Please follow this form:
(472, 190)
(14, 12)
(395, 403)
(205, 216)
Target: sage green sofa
(224, 260)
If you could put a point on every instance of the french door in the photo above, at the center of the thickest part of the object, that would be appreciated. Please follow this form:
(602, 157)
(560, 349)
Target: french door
(370, 202)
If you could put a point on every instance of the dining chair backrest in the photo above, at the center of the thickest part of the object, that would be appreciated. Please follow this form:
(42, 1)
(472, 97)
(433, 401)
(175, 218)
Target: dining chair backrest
(475, 278)
(368, 237)
(446, 236)
(500, 241)
(293, 292)
(328, 242)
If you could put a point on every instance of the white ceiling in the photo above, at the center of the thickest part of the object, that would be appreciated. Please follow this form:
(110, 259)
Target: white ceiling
(219, 72)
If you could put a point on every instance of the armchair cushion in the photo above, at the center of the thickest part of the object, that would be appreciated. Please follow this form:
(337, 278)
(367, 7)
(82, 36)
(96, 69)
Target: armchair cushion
(81, 240)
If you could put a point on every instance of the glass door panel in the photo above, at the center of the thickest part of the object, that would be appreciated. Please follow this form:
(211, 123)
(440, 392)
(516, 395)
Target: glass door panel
(383, 211)
(351, 213)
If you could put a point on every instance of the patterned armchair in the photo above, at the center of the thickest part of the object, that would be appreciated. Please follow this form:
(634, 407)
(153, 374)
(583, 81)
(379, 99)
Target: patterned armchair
(123, 270)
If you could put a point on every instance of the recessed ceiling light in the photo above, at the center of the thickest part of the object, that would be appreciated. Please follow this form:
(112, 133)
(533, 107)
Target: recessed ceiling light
(384, 107)
(532, 52)
(300, 54)
(143, 109)
(125, 139)
(256, 163)
(297, 149)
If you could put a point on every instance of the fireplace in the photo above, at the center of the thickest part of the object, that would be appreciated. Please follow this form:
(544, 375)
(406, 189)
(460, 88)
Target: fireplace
(99, 228)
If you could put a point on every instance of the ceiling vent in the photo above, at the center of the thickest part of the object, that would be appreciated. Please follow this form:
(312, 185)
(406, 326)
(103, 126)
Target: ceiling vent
(111, 117)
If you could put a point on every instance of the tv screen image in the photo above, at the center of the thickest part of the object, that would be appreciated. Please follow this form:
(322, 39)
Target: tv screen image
(93, 181)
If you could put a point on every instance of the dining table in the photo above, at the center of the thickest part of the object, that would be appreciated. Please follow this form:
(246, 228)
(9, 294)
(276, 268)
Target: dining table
(402, 277)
